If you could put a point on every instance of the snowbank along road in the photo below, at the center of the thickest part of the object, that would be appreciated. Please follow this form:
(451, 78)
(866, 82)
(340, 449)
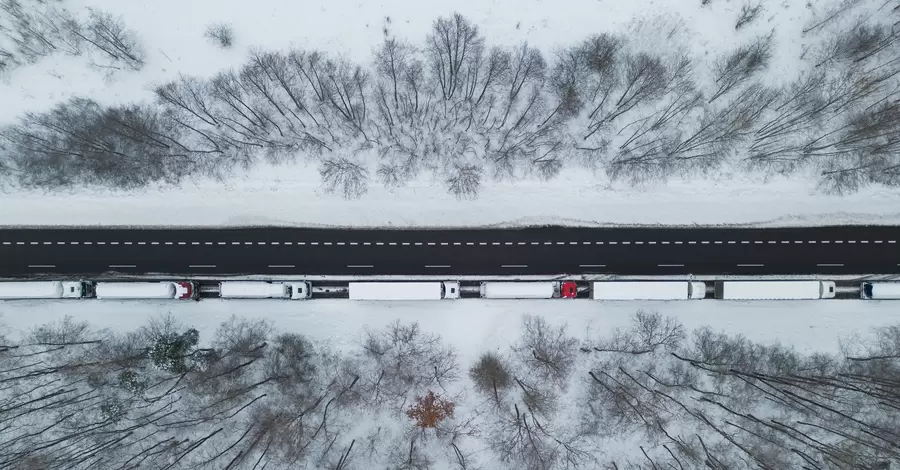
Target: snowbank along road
(544, 250)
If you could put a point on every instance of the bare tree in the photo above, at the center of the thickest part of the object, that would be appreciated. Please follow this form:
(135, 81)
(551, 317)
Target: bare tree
(454, 49)
(341, 175)
(403, 360)
(749, 12)
(546, 351)
(648, 332)
(464, 181)
(740, 65)
(116, 45)
(491, 376)
(222, 34)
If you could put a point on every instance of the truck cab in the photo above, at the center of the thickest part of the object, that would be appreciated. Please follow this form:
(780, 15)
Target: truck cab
(185, 290)
(299, 290)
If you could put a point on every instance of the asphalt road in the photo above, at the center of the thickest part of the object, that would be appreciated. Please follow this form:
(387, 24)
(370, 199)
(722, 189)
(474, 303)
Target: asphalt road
(547, 250)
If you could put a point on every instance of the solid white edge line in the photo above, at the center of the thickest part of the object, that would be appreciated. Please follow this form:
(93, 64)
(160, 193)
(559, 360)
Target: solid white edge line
(513, 265)
(41, 265)
(830, 265)
(201, 266)
(751, 265)
(281, 265)
(122, 266)
(591, 265)
(670, 265)
(360, 266)
(437, 265)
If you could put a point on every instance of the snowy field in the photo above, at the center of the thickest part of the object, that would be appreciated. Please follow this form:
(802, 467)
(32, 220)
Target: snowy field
(273, 196)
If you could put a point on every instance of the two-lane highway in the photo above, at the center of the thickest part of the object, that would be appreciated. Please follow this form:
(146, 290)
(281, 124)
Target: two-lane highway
(543, 250)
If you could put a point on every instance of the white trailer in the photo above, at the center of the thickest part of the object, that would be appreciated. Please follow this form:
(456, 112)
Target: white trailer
(880, 290)
(774, 290)
(44, 290)
(519, 290)
(403, 290)
(181, 290)
(263, 290)
(647, 290)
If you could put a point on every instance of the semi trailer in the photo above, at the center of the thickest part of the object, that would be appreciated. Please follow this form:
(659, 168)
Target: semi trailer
(179, 290)
(774, 290)
(880, 290)
(647, 290)
(295, 290)
(404, 290)
(45, 290)
(519, 290)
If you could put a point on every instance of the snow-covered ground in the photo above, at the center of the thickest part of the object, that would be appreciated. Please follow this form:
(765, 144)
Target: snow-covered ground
(474, 326)
(292, 196)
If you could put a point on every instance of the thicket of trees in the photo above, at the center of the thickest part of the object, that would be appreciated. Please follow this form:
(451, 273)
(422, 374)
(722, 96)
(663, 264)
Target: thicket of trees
(250, 397)
(33, 29)
(462, 112)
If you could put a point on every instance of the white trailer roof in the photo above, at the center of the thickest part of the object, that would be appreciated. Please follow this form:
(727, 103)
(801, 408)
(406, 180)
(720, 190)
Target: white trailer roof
(31, 290)
(252, 289)
(774, 290)
(885, 290)
(518, 290)
(638, 290)
(395, 290)
(135, 290)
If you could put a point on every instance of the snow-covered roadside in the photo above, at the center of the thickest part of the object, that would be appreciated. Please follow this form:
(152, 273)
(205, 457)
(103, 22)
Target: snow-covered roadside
(292, 195)
(475, 326)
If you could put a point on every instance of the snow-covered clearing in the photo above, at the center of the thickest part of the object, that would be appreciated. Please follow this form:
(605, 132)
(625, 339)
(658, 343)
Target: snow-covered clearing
(293, 193)
(293, 196)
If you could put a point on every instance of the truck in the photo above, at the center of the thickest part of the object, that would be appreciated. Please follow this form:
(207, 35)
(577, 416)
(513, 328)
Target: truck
(774, 290)
(179, 290)
(45, 290)
(519, 290)
(295, 290)
(404, 290)
(648, 290)
(880, 290)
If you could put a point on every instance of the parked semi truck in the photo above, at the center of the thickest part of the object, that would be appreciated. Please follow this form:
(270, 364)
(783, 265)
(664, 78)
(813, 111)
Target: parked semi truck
(179, 290)
(647, 290)
(294, 290)
(880, 290)
(528, 290)
(404, 290)
(45, 290)
(774, 290)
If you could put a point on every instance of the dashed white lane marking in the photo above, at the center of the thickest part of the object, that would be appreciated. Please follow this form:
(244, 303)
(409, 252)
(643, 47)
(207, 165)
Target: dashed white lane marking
(258, 243)
(758, 242)
(360, 266)
(678, 242)
(420, 243)
(201, 266)
(751, 265)
(670, 265)
(122, 266)
(826, 241)
(704, 243)
(169, 243)
(785, 241)
(626, 243)
(48, 243)
(613, 243)
(20, 243)
(430, 243)
(665, 243)
(291, 243)
(469, 243)
(437, 265)
(457, 243)
(142, 243)
(7, 243)
(692, 243)
(392, 243)
(839, 241)
(354, 243)
(182, 243)
(63, 243)
(864, 241)
(341, 243)
(718, 242)
(41, 265)
(513, 265)
(591, 265)
(638, 243)
(538, 243)
(379, 243)
(221, 243)
(892, 241)
(205, 243)
(651, 243)
(851, 241)
(444, 243)
(830, 265)
(744, 242)
(507, 243)
(772, 242)
(281, 265)
(495, 243)
(877, 241)
(34, 243)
